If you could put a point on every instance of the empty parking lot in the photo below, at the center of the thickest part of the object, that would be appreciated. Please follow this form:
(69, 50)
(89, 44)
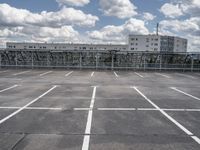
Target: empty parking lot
(99, 110)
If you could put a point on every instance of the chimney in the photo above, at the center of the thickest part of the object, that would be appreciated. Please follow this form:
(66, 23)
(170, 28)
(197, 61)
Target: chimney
(157, 28)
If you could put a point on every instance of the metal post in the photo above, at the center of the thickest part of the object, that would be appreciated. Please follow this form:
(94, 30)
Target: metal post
(112, 63)
(16, 63)
(192, 64)
(144, 62)
(80, 60)
(97, 60)
(0, 60)
(160, 62)
(48, 55)
(32, 59)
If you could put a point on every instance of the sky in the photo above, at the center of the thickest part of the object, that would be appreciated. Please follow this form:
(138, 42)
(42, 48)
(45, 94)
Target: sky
(97, 21)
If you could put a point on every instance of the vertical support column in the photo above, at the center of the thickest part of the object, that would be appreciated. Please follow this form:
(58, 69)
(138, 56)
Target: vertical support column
(16, 61)
(97, 60)
(112, 63)
(80, 60)
(64, 54)
(32, 60)
(192, 64)
(144, 62)
(48, 59)
(160, 62)
(0, 61)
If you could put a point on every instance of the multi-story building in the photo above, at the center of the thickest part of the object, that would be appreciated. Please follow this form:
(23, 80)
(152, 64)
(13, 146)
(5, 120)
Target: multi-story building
(147, 43)
(157, 43)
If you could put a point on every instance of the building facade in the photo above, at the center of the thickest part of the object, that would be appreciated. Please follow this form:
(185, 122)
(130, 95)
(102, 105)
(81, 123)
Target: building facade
(157, 43)
(146, 43)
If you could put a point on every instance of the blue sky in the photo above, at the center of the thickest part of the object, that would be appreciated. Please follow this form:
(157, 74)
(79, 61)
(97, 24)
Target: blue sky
(100, 21)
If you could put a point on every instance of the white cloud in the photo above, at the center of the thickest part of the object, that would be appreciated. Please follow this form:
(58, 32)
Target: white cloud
(189, 28)
(73, 2)
(118, 8)
(42, 34)
(118, 34)
(65, 16)
(148, 16)
(171, 10)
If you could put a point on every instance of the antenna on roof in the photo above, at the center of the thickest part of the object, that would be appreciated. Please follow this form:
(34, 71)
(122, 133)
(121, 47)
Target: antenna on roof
(157, 28)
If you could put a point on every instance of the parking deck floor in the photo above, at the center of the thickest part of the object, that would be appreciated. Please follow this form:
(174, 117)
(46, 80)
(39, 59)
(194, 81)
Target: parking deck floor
(99, 110)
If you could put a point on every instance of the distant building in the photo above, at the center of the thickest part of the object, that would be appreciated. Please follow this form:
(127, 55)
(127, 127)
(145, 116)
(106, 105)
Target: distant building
(157, 43)
(147, 43)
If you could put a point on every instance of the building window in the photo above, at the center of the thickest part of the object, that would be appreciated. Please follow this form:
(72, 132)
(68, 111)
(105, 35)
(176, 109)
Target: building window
(136, 43)
(132, 48)
(155, 44)
(132, 39)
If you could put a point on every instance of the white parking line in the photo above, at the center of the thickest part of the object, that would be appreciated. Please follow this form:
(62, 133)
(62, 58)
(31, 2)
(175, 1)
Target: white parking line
(45, 73)
(68, 74)
(184, 75)
(33, 108)
(168, 116)
(117, 109)
(4, 71)
(86, 140)
(92, 74)
(166, 76)
(148, 109)
(82, 109)
(173, 88)
(116, 74)
(25, 106)
(21, 73)
(139, 75)
(9, 88)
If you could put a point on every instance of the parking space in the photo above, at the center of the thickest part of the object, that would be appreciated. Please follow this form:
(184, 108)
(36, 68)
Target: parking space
(90, 109)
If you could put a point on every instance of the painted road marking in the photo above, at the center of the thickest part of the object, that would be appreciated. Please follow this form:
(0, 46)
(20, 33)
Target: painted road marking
(33, 108)
(166, 76)
(188, 76)
(103, 109)
(21, 73)
(14, 86)
(86, 140)
(168, 116)
(4, 71)
(173, 88)
(139, 75)
(92, 74)
(82, 109)
(45, 73)
(116, 74)
(117, 109)
(68, 74)
(25, 106)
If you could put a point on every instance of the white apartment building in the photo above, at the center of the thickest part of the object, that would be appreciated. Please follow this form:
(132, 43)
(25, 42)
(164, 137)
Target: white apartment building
(147, 43)
(157, 43)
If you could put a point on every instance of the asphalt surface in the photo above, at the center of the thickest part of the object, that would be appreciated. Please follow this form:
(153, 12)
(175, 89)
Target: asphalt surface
(99, 110)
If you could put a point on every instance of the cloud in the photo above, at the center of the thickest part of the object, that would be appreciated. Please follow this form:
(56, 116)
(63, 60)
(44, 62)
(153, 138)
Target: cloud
(42, 34)
(171, 10)
(148, 16)
(118, 34)
(65, 16)
(118, 8)
(189, 28)
(73, 2)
